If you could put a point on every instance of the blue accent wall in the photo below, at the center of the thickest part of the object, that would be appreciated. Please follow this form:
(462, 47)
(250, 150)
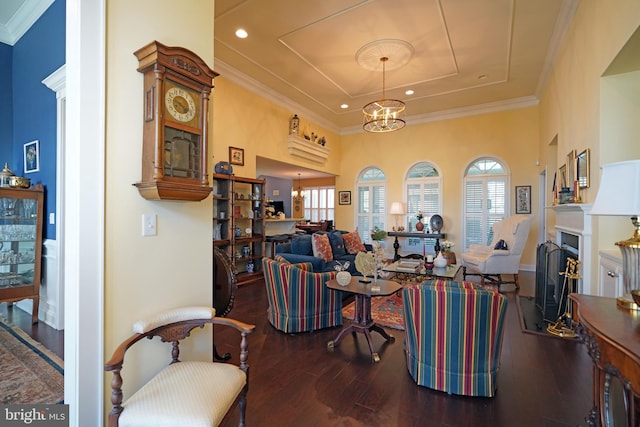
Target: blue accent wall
(38, 53)
(6, 112)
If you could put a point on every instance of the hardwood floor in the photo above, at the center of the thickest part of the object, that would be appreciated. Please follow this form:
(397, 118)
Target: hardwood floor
(296, 381)
(41, 332)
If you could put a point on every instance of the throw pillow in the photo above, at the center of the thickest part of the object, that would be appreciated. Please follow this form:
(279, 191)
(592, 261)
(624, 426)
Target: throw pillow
(337, 243)
(501, 246)
(352, 243)
(321, 247)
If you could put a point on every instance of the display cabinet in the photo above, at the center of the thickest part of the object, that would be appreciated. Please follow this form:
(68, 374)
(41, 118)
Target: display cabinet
(238, 223)
(21, 213)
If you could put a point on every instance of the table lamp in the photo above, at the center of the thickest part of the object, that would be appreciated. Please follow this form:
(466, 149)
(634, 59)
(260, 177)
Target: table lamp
(396, 209)
(619, 195)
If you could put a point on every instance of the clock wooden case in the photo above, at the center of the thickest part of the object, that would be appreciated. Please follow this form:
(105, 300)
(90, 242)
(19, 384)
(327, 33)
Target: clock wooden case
(177, 84)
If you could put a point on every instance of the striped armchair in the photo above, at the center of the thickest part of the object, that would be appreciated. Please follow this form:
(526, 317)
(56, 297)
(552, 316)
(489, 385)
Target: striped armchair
(298, 298)
(453, 336)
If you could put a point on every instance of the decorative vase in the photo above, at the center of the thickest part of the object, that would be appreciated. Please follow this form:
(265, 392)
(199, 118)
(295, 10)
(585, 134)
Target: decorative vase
(250, 267)
(440, 261)
(419, 226)
(343, 278)
(449, 256)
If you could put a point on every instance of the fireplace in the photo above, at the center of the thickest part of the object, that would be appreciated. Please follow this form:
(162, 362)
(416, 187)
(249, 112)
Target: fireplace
(573, 233)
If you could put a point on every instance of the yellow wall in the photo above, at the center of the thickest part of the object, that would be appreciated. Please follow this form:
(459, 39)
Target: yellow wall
(245, 120)
(451, 145)
(144, 275)
(572, 108)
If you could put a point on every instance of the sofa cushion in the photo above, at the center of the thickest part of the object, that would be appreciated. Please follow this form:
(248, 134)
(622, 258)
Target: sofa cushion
(321, 246)
(352, 243)
(301, 245)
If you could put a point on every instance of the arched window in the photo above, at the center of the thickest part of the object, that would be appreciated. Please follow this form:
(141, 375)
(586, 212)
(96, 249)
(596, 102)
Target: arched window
(486, 199)
(371, 202)
(423, 186)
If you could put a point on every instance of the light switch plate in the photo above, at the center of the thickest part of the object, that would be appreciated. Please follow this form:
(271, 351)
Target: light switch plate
(149, 225)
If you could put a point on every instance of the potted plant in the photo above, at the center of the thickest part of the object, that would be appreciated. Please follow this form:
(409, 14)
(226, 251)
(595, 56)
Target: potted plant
(447, 253)
(378, 234)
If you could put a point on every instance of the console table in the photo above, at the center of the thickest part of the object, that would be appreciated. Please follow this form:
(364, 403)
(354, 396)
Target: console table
(612, 337)
(396, 244)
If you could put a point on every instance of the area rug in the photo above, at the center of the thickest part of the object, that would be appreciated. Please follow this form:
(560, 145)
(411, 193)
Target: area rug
(385, 311)
(29, 373)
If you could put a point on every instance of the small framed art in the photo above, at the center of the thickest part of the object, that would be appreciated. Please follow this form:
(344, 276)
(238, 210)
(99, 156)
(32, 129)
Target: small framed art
(32, 156)
(236, 156)
(523, 199)
(344, 197)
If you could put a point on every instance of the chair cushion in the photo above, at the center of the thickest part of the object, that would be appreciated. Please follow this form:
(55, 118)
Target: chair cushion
(352, 243)
(321, 246)
(172, 316)
(301, 245)
(188, 394)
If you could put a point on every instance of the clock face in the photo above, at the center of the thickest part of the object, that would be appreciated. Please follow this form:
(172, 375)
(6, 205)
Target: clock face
(180, 104)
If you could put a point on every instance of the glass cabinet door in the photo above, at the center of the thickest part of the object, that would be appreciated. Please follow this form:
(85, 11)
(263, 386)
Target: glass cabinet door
(18, 237)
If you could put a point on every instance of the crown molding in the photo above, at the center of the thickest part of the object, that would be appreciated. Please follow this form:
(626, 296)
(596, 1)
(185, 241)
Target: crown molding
(22, 20)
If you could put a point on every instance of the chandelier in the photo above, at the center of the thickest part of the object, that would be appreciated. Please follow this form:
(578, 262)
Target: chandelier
(384, 115)
(298, 195)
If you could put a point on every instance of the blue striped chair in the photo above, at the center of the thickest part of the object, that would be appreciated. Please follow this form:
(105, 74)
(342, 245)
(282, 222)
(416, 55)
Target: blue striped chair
(453, 336)
(298, 298)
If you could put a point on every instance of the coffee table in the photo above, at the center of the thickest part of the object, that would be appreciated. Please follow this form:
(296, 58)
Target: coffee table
(362, 322)
(449, 272)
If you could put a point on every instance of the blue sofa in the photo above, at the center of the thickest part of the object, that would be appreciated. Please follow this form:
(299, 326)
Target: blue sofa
(300, 250)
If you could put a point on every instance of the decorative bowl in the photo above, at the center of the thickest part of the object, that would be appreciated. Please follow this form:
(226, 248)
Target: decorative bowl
(635, 294)
(19, 181)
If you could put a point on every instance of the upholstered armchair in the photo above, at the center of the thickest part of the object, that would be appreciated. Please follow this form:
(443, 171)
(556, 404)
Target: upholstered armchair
(453, 336)
(189, 393)
(500, 257)
(298, 298)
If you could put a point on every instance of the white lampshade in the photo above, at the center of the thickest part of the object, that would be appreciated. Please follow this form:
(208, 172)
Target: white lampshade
(619, 192)
(619, 195)
(396, 208)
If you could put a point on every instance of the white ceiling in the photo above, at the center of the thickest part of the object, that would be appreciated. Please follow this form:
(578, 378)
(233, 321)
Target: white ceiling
(465, 56)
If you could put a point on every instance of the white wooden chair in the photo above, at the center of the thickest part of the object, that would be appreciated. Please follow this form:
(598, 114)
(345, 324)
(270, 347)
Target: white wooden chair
(186, 394)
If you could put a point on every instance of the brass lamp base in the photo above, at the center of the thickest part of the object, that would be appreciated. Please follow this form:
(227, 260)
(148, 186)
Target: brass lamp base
(627, 303)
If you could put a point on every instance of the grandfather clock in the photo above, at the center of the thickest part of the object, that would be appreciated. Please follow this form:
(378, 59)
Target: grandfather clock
(177, 84)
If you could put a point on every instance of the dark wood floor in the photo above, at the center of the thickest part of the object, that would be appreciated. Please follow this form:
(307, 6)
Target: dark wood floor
(296, 381)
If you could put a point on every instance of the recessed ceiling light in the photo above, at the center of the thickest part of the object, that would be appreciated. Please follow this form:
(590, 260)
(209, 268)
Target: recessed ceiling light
(241, 34)
(409, 92)
(344, 106)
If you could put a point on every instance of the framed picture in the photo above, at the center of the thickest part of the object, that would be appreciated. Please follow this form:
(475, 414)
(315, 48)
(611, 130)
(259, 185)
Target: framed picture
(523, 199)
(571, 172)
(344, 197)
(32, 156)
(582, 168)
(236, 156)
(562, 173)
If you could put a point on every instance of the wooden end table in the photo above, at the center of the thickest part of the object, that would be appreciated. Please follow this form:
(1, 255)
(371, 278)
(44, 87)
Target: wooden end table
(362, 322)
